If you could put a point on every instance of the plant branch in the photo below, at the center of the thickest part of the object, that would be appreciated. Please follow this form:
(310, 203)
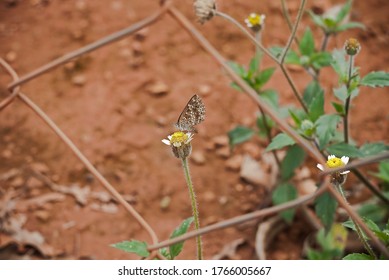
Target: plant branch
(194, 206)
(287, 18)
(80, 155)
(293, 34)
(268, 53)
(347, 105)
(245, 218)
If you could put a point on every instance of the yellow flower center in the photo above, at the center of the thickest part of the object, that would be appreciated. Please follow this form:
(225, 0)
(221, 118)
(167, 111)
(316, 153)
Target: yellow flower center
(255, 19)
(179, 138)
(335, 162)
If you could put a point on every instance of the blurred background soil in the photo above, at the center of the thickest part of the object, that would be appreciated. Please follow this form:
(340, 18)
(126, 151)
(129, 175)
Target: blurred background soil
(118, 102)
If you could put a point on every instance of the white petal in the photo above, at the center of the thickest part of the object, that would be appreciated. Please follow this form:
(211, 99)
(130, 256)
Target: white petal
(330, 157)
(345, 172)
(320, 167)
(345, 159)
(177, 144)
(170, 137)
(253, 15)
(165, 141)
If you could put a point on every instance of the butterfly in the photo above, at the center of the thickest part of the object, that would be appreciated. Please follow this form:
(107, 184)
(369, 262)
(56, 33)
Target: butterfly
(193, 114)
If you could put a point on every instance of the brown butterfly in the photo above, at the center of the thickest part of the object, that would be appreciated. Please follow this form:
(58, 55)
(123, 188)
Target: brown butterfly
(193, 114)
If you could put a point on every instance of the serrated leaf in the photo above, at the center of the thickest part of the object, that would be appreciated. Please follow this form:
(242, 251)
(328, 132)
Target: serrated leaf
(133, 246)
(253, 66)
(291, 56)
(279, 141)
(325, 207)
(320, 59)
(239, 135)
(326, 127)
(339, 108)
(270, 96)
(374, 212)
(383, 171)
(176, 249)
(238, 69)
(339, 63)
(294, 158)
(284, 193)
(358, 256)
(318, 20)
(307, 43)
(341, 93)
(372, 149)
(316, 108)
(370, 224)
(297, 115)
(343, 11)
(376, 79)
(310, 91)
(264, 76)
(344, 149)
(349, 25)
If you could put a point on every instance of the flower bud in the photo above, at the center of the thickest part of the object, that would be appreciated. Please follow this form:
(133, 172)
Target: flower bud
(352, 46)
(204, 9)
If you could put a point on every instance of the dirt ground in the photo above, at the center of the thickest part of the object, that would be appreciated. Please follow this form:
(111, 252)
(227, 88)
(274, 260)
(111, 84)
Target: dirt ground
(110, 104)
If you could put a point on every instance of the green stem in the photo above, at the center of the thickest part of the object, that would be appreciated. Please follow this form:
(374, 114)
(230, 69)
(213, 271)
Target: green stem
(357, 227)
(258, 52)
(347, 105)
(194, 206)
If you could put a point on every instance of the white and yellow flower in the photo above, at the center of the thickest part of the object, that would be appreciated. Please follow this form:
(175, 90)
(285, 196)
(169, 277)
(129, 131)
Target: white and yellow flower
(335, 162)
(255, 21)
(180, 143)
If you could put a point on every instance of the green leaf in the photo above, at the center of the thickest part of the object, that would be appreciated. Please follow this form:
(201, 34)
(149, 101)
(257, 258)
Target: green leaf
(176, 249)
(310, 91)
(264, 76)
(344, 149)
(316, 108)
(307, 43)
(339, 63)
(284, 193)
(374, 212)
(253, 66)
(291, 56)
(343, 11)
(349, 25)
(270, 96)
(383, 171)
(326, 127)
(133, 246)
(321, 59)
(297, 115)
(341, 93)
(279, 141)
(318, 20)
(294, 158)
(238, 69)
(325, 207)
(358, 256)
(376, 79)
(339, 108)
(370, 224)
(239, 135)
(372, 149)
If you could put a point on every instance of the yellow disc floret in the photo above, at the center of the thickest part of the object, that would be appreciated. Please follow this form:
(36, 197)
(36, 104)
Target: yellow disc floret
(334, 162)
(179, 138)
(255, 19)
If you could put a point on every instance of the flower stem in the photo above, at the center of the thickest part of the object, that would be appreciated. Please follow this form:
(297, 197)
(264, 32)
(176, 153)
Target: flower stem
(194, 206)
(357, 227)
(347, 105)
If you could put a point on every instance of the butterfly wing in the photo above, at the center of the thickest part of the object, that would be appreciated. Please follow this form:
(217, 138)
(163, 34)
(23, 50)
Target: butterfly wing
(193, 114)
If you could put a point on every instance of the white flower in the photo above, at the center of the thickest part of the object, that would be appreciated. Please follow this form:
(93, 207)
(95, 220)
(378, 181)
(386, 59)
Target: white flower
(180, 143)
(255, 21)
(335, 162)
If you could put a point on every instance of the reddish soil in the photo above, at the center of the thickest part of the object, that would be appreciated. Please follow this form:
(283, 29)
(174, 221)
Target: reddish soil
(102, 102)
